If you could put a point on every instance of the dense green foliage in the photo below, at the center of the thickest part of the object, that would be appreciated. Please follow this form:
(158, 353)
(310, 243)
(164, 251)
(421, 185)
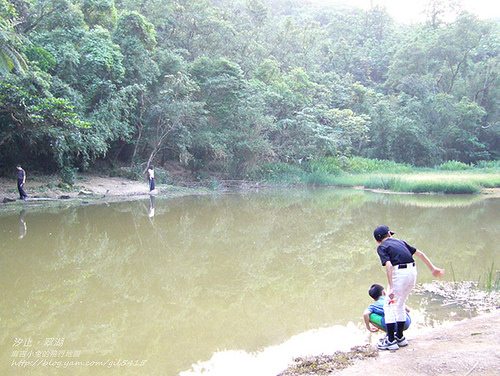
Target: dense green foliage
(237, 86)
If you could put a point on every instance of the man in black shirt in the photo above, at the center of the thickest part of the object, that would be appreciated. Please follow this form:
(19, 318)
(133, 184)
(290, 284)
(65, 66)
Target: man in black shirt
(397, 257)
(21, 179)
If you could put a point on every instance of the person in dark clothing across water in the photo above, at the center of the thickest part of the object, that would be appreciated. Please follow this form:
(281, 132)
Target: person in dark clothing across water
(21, 179)
(151, 177)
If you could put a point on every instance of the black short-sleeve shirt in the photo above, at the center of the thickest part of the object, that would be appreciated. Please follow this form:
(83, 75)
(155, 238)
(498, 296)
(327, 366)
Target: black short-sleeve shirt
(396, 251)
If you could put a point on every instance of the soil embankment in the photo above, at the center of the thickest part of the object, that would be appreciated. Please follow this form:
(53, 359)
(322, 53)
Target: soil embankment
(469, 347)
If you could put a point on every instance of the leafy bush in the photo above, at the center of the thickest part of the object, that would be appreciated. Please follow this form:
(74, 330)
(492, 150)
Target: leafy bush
(381, 174)
(132, 173)
(318, 178)
(280, 173)
(162, 176)
(68, 175)
(363, 165)
(329, 171)
(453, 166)
(327, 166)
(488, 164)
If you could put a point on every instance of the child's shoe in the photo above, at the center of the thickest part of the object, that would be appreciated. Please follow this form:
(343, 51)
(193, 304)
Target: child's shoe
(386, 345)
(401, 341)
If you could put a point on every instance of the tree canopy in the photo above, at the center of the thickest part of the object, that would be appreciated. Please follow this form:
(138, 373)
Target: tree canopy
(227, 85)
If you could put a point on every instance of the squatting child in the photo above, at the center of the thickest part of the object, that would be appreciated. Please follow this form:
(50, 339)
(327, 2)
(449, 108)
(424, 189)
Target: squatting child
(374, 315)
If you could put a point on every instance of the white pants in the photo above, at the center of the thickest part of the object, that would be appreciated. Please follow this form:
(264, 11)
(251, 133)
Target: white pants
(403, 281)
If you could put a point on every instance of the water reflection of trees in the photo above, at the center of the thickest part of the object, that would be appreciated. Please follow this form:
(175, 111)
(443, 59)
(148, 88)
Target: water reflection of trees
(227, 272)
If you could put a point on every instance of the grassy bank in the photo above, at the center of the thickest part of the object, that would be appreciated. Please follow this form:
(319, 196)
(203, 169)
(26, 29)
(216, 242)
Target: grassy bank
(451, 177)
(424, 181)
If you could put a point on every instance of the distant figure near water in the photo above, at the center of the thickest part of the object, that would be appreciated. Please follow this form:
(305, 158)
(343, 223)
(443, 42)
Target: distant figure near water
(21, 179)
(151, 177)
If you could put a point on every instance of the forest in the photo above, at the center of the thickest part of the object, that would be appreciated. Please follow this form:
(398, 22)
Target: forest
(229, 86)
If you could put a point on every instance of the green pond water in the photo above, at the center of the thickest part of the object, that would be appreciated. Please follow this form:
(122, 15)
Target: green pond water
(228, 284)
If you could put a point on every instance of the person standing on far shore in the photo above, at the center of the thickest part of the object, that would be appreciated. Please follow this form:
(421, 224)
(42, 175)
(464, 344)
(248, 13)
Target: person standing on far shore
(151, 177)
(21, 179)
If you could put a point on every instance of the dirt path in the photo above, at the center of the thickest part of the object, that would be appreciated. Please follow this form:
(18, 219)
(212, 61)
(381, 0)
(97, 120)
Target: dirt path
(115, 186)
(469, 347)
(88, 187)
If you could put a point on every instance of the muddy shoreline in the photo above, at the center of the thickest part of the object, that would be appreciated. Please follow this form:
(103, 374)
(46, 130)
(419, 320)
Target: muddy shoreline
(92, 188)
(89, 189)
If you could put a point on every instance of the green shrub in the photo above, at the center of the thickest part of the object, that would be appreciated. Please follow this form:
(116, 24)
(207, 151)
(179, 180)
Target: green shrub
(68, 175)
(380, 174)
(364, 165)
(319, 178)
(349, 180)
(282, 173)
(453, 166)
(132, 173)
(327, 166)
(64, 186)
(162, 176)
(488, 164)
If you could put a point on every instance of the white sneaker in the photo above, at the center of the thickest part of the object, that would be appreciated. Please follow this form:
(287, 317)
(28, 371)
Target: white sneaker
(401, 341)
(386, 345)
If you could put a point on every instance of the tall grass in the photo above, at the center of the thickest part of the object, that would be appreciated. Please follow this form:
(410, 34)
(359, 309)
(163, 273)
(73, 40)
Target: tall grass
(383, 182)
(436, 186)
(492, 279)
(450, 177)
(460, 166)
(357, 165)
(279, 173)
(407, 183)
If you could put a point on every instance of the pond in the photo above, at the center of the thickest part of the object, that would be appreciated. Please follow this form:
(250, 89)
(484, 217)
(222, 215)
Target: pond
(235, 284)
